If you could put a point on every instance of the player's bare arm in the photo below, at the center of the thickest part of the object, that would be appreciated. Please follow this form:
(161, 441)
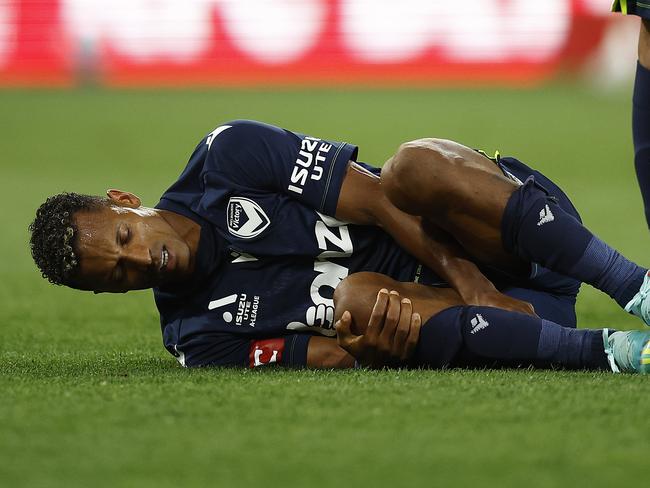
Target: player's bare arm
(363, 200)
(325, 353)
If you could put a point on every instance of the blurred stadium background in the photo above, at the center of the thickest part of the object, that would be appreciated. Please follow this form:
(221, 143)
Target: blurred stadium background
(300, 42)
(98, 94)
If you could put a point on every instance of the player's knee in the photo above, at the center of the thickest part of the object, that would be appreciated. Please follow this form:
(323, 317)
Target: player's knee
(357, 294)
(349, 290)
(397, 176)
(413, 177)
(342, 294)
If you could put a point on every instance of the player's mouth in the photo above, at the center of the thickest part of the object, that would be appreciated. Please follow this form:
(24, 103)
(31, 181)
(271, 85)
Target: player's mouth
(167, 261)
(164, 259)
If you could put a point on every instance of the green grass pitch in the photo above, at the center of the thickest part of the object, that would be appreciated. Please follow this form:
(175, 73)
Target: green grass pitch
(88, 396)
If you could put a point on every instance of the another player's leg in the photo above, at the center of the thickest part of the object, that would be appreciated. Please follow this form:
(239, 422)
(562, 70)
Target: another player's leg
(453, 332)
(641, 117)
(499, 222)
(639, 304)
(632, 7)
(641, 99)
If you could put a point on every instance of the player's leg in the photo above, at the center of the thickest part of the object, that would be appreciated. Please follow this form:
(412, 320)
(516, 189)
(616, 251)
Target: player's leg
(357, 294)
(641, 117)
(555, 307)
(494, 337)
(641, 99)
(499, 222)
(452, 330)
(632, 7)
(455, 188)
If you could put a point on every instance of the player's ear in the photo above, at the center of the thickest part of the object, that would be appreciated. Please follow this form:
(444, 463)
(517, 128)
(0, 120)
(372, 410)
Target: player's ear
(123, 198)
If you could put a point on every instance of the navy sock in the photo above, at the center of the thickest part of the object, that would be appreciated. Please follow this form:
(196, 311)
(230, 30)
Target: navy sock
(440, 340)
(507, 338)
(641, 134)
(537, 229)
(571, 348)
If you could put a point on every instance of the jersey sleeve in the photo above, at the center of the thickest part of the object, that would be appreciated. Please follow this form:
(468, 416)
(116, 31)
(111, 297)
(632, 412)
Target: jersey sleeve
(252, 156)
(214, 348)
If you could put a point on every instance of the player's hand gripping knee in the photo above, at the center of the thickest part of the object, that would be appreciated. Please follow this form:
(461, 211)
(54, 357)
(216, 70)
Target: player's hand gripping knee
(390, 337)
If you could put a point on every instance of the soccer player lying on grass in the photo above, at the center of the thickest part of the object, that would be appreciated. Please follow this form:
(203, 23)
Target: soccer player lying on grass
(247, 248)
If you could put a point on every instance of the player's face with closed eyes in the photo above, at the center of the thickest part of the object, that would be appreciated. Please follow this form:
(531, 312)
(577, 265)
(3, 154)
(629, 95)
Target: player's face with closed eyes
(126, 247)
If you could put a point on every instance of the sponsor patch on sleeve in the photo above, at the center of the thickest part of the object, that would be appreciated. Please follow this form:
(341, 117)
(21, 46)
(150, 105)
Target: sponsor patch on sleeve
(267, 351)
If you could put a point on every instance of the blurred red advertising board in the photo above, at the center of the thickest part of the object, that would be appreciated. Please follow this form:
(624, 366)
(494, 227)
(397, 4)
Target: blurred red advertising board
(295, 42)
(33, 44)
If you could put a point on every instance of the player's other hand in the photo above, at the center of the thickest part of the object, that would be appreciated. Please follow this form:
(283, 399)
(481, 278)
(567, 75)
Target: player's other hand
(390, 336)
(496, 299)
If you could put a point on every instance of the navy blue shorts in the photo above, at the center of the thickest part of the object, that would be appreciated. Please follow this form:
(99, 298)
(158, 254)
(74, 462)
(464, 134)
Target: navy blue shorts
(553, 295)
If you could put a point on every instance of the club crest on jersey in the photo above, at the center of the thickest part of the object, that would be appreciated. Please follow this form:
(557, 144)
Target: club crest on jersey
(245, 218)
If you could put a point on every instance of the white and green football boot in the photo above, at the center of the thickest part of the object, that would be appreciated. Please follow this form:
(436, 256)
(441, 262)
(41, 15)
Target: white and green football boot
(632, 7)
(640, 303)
(628, 351)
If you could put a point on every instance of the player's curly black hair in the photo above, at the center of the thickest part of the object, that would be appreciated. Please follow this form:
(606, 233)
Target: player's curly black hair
(53, 235)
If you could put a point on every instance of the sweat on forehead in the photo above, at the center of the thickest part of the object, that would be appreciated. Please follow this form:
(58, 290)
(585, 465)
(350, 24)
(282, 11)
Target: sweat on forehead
(94, 225)
(141, 211)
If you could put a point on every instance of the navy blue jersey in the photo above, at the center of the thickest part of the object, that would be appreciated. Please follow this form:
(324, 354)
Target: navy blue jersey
(270, 253)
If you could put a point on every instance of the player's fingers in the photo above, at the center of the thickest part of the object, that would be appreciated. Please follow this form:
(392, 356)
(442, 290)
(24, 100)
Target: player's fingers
(346, 339)
(392, 317)
(377, 316)
(403, 328)
(343, 326)
(385, 340)
(413, 337)
(524, 307)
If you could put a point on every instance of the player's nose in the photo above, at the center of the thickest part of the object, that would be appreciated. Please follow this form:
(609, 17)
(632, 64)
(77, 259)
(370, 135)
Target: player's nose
(139, 257)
